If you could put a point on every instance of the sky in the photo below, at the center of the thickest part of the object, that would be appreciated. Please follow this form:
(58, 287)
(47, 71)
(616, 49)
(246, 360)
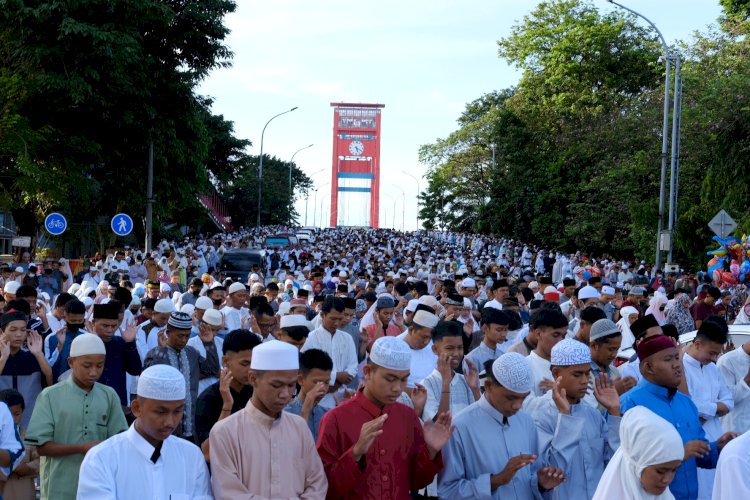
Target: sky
(424, 60)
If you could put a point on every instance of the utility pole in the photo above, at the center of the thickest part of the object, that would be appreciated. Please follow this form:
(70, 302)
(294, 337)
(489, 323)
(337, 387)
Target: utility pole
(149, 195)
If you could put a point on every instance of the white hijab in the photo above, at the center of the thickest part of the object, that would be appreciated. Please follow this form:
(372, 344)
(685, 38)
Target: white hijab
(624, 325)
(645, 439)
(742, 318)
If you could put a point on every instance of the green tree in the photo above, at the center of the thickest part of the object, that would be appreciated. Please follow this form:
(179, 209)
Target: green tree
(576, 163)
(736, 8)
(277, 206)
(91, 84)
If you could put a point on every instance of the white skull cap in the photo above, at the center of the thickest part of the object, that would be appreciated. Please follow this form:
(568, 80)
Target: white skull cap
(391, 353)
(162, 382)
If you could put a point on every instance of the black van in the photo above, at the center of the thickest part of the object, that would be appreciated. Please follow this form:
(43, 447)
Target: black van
(237, 264)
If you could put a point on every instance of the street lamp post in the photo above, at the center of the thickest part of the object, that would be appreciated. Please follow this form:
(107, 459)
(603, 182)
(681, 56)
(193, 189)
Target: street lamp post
(675, 162)
(393, 222)
(291, 162)
(315, 203)
(665, 132)
(403, 205)
(307, 198)
(418, 191)
(322, 199)
(260, 164)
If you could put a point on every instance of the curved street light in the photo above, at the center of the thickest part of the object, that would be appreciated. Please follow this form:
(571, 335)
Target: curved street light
(418, 191)
(315, 202)
(403, 205)
(664, 144)
(291, 162)
(307, 198)
(385, 208)
(260, 164)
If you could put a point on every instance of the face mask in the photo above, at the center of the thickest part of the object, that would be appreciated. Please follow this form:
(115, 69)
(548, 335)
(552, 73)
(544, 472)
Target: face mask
(73, 327)
(217, 302)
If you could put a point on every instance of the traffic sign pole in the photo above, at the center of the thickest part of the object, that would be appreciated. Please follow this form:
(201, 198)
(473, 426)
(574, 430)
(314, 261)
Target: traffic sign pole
(722, 224)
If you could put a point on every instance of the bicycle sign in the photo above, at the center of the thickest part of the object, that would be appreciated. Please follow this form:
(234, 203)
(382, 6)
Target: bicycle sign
(122, 224)
(55, 224)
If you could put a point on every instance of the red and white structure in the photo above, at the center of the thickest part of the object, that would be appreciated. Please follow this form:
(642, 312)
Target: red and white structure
(355, 176)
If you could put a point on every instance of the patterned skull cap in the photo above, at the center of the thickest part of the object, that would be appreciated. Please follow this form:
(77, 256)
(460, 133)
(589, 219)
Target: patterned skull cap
(569, 352)
(513, 371)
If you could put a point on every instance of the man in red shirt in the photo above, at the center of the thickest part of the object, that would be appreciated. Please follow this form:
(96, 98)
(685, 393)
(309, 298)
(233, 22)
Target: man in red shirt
(373, 447)
(707, 307)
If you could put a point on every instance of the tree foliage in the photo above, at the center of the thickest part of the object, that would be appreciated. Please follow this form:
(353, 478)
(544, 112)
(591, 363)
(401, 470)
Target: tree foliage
(277, 203)
(578, 140)
(86, 86)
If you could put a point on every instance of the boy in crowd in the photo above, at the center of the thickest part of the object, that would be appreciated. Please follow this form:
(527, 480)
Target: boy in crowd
(448, 390)
(27, 369)
(20, 482)
(233, 390)
(495, 329)
(573, 435)
(294, 329)
(314, 374)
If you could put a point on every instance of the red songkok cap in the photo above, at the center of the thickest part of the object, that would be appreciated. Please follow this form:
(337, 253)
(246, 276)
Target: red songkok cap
(652, 345)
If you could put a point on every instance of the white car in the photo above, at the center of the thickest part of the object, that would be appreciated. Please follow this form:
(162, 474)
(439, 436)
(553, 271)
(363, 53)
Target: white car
(739, 334)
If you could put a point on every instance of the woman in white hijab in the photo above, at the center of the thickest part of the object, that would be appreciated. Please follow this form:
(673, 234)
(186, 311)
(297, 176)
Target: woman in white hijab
(629, 315)
(650, 452)
(656, 306)
(743, 318)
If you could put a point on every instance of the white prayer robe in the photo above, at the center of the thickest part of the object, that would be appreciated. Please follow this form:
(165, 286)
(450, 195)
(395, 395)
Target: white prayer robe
(541, 369)
(121, 468)
(494, 304)
(707, 388)
(631, 369)
(144, 344)
(581, 444)
(481, 444)
(54, 323)
(233, 317)
(733, 470)
(423, 362)
(734, 367)
(340, 347)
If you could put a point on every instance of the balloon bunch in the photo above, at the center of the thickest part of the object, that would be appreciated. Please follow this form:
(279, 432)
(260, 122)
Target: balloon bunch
(586, 272)
(730, 263)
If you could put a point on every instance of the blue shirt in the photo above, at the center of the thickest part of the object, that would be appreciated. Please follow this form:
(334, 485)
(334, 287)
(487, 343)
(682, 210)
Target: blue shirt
(678, 409)
(481, 444)
(313, 421)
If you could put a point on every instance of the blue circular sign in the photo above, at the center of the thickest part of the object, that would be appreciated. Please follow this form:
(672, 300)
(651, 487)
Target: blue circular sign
(55, 224)
(122, 224)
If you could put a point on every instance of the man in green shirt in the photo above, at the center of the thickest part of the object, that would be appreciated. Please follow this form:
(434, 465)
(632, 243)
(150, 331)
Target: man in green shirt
(73, 416)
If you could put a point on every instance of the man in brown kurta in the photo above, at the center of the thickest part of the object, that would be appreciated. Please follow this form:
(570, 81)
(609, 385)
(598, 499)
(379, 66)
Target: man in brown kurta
(262, 450)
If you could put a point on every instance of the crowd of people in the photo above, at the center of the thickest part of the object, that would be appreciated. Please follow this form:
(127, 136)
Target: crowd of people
(370, 364)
